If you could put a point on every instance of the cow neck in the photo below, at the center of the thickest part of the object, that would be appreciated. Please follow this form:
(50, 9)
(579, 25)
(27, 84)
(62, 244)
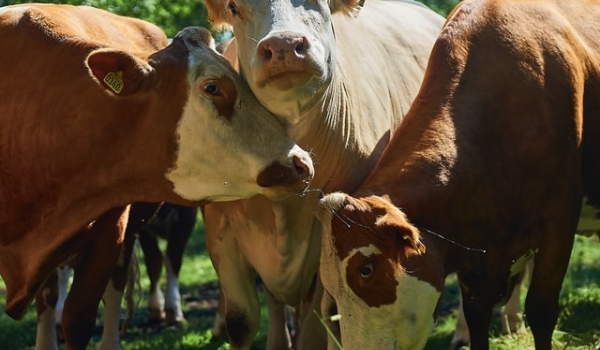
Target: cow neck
(343, 139)
(417, 169)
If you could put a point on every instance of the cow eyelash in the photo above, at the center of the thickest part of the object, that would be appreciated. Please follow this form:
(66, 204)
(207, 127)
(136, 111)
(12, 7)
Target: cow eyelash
(233, 9)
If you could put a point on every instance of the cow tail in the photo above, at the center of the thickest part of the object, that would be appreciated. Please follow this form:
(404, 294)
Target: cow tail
(133, 288)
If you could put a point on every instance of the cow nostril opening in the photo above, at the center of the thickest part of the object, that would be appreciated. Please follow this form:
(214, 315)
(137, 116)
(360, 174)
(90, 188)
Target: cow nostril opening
(302, 46)
(267, 53)
(300, 166)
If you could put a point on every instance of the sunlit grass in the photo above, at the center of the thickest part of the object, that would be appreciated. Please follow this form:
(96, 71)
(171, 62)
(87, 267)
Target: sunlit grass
(578, 326)
(579, 320)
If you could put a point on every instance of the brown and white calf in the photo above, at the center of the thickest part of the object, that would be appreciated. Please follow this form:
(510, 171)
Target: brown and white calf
(88, 126)
(487, 170)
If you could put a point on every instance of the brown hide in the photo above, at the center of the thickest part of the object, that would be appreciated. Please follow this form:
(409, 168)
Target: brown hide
(44, 116)
(87, 127)
(488, 161)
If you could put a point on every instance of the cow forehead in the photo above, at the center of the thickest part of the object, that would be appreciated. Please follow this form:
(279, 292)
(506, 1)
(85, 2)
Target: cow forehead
(360, 223)
(260, 18)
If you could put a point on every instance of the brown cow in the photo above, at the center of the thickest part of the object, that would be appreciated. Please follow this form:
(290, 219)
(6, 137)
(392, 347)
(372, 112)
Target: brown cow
(487, 170)
(339, 77)
(87, 127)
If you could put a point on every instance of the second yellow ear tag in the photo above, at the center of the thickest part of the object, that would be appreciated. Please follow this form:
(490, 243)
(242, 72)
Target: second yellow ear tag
(114, 81)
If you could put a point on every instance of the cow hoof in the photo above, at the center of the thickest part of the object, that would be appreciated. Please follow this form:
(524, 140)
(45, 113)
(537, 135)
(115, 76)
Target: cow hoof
(155, 316)
(458, 344)
(60, 336)
(220, 332)
(174, 318)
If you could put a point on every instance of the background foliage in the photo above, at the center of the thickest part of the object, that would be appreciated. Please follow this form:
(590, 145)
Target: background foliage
(170, 15)
(173, 15)
(579, 321)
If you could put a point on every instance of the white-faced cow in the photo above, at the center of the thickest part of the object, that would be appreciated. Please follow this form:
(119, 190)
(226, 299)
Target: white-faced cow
(88, 127)
(487, 170)
(339, 77)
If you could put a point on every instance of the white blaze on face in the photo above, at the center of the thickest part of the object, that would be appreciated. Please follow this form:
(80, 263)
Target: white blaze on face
(200, 153)
(405, 324)
(285, 82)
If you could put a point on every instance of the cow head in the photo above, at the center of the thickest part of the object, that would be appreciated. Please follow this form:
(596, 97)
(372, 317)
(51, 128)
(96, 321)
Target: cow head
(286, 48)
(226, 145)
(375, 266)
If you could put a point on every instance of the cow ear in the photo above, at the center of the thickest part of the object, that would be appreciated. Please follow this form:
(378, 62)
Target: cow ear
(349, 7)
(329, 204)
(117, 71)
(410, 236)
(217, 13)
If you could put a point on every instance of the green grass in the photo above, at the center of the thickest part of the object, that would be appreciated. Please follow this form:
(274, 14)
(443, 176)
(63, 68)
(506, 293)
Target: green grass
(579, 321)
(199, 291)
(578, 326)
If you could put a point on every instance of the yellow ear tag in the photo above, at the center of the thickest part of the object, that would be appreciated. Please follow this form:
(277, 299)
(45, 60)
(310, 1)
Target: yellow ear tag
(114, 81)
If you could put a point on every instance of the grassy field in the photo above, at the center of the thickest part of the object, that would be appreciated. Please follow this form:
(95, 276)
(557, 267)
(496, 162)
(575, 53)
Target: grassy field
(578, 326)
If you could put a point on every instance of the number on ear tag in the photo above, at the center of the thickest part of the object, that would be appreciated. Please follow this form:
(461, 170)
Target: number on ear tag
(114, 81)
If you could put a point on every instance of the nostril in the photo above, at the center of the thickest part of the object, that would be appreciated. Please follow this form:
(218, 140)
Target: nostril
(266, 52)
(303, 169)
(300, 167)
(301, 46)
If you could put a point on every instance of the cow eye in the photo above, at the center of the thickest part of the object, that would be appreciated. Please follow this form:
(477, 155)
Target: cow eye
(211, 88)
(232, 7)
(366, 270)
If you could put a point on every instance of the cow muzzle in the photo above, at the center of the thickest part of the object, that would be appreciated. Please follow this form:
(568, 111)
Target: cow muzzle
(295, 176)
(284, 60)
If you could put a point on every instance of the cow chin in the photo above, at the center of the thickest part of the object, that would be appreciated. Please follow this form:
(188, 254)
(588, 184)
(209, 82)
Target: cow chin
(279, 193)
(292, 80)
(287, 81)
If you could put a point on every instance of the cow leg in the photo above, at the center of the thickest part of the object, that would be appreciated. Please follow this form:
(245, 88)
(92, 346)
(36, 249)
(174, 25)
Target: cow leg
(113, 295)
(461, 332)
(512, 316)
(311, 335)
(541, 303)
(237, 281)
(64, 275)
(45, 302)
(154, 261)
(478, 309)
(278, 337)
(219, 329)
(173, 312)
(181, 230)
(242, 306)
(112, 314)
(242, 316)
(91, 276)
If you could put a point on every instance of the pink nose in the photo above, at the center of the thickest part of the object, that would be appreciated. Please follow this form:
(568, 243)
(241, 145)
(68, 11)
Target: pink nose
(284, 48)
(297, 175)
